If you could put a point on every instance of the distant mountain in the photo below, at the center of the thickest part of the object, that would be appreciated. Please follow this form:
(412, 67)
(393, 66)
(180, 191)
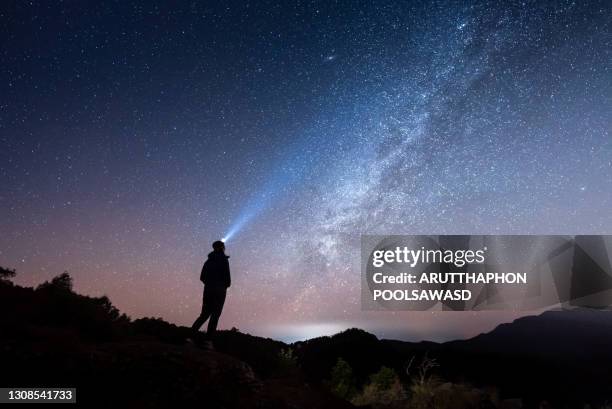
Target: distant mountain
(563, 356)
(559, 356)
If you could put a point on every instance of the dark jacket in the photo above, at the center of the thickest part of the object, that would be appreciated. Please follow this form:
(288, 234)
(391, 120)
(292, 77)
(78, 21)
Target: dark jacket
(216, 272)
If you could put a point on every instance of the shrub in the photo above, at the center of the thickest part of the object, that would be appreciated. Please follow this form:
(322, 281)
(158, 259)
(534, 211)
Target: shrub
(430, 392)
(6, 273)
(424, 384)
(384, 390)
(287, 358)
(342, 380)
(433, 394)
(62, 282)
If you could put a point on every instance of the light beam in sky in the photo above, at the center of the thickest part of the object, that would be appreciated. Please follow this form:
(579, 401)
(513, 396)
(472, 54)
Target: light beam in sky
(280, 178)
(252, 209)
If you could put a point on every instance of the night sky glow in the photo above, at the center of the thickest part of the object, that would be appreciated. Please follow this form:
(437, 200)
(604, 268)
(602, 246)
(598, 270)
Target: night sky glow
(133, 134)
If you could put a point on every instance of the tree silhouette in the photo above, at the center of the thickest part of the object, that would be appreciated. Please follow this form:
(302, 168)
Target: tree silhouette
(384, 390)
(6, 273)
(61, 282)
(342, 382)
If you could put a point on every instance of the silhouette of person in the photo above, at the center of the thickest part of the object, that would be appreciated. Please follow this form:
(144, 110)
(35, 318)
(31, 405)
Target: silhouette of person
(216, 278)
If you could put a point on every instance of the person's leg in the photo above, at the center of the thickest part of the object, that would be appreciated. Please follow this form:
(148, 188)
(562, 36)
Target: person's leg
(206, 312)
(200, 320)
(216, 309)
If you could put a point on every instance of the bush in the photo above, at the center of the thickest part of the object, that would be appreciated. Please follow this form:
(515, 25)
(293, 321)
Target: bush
(384, 390)
(6, 273)
(434, 394)
(430, 392)
(384, 378)
(342, 380)
(54, 303)
(287, 358)
(62, 282)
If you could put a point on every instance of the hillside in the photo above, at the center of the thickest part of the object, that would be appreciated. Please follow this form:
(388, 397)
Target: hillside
(54, 337)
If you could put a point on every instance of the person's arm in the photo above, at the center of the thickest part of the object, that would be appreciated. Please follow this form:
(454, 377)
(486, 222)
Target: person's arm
(228, 276)
(203, 272)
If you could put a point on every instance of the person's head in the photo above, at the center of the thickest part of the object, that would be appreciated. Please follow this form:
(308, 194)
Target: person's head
(218, 246)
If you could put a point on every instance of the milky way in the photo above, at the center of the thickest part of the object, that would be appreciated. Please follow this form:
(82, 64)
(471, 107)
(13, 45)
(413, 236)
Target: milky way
(133, 135)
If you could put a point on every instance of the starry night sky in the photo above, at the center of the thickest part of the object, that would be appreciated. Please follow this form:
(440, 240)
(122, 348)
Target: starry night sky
(133, 134)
